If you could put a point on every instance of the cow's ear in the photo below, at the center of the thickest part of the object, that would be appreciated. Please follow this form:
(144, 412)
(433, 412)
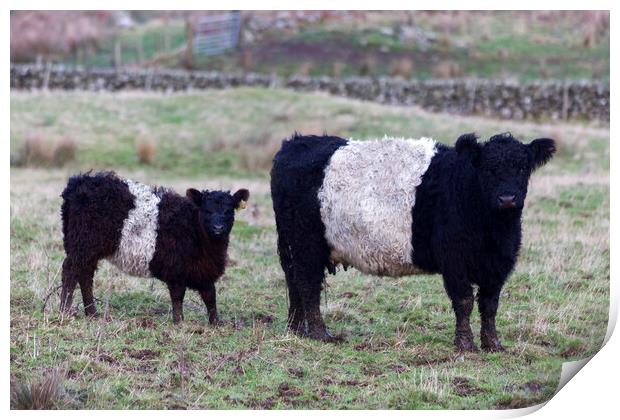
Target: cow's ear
(240, 198)
(194, 195)
(541, 150)
(467, 145)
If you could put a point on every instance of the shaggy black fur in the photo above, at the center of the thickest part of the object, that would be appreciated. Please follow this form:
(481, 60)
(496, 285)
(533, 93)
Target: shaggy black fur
(93, 210)
(296, 176)
(191, 246)
(466, 224)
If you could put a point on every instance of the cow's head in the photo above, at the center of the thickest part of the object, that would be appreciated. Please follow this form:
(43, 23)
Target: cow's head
(503, 166)
(217, 209)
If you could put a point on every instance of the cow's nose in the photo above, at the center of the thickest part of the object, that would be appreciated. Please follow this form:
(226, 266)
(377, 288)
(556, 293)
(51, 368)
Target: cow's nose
(506, 201)
(218, 228)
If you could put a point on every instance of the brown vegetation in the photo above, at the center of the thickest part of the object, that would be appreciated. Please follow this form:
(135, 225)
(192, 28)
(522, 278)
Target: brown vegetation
(337, 68)
(402, 67)
(446, 69)
(145, 151)
(44, 393)
(369, 63)
(257, 150)
(305, 68)
(52, 34)
(37, 151)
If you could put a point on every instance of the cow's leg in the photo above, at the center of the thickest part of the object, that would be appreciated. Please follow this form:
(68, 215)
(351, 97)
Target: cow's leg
(177, 293)
(306, 278)
(461, 294)
(311, 301)
(78, 270)
(296, 321)
(488, 301)
(208, 296)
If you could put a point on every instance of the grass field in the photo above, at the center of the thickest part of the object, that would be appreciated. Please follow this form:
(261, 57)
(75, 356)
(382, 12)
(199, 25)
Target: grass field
(398, 351)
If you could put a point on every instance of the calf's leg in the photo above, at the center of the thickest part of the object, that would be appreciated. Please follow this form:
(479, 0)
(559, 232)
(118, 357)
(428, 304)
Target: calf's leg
(69, 281)
(488, 301)
(208, 295)
(462, 297)
(74, 271)
(177, 293)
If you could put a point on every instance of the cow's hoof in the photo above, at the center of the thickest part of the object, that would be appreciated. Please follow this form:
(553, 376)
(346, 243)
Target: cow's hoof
(326, 337)
(299, 330)
(464, 346)
(495, 347)
(217, 322)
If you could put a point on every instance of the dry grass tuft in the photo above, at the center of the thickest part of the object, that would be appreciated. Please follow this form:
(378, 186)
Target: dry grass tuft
(305, 68)
(257, 150)
(337, 69)
(42, 394)
(368, 66)
(447, 69)
(595, 26)
(39, 152)
(402, 67)
(246, 60)
(145, 151)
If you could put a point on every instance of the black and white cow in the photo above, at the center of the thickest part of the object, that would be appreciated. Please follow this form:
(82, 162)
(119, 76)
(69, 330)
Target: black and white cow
(396, 207)
(146, 232)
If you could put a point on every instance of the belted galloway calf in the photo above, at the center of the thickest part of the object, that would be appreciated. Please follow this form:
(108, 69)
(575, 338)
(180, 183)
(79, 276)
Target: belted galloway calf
(396, 207)
(146, 232)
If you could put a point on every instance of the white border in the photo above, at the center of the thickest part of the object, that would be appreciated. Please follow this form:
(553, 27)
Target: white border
(592, 394)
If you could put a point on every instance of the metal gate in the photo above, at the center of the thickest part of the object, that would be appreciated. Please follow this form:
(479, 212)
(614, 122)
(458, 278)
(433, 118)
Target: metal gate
(215, 34)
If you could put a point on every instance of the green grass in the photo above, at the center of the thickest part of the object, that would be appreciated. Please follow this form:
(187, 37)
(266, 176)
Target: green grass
(398, 351)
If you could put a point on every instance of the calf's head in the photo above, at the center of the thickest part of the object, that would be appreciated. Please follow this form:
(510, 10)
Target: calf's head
(217, 209)
(503, 166)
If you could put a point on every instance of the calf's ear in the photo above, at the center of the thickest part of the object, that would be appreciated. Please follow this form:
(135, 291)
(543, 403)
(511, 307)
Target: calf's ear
(240, 198)
(194, 195)
(541, 150)
(467, 145)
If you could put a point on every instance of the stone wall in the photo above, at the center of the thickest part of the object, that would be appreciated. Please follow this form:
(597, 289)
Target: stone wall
(533, 100)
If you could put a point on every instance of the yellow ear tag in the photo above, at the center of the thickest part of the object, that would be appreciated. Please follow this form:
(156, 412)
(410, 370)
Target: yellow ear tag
(242, 204)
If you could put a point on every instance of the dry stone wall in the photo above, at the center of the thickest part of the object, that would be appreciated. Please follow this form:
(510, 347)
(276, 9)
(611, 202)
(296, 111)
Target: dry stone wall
(583, 100)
